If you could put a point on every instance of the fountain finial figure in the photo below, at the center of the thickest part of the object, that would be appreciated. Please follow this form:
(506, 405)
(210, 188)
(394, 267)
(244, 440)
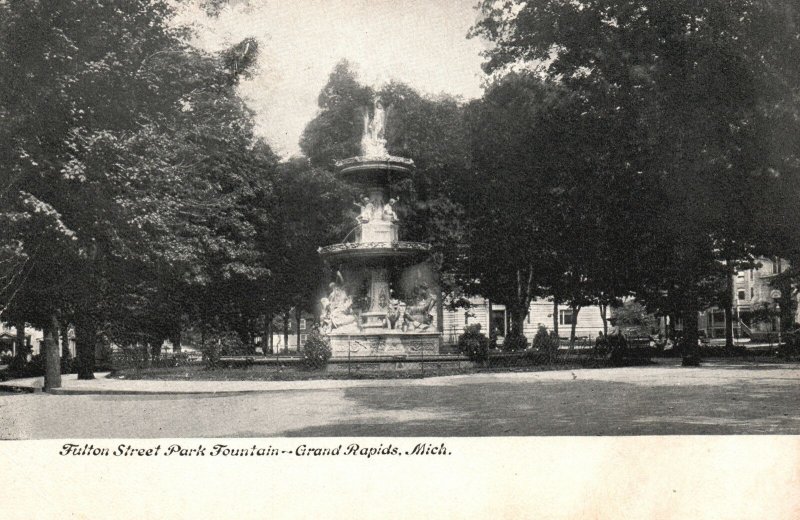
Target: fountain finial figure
(373, 142)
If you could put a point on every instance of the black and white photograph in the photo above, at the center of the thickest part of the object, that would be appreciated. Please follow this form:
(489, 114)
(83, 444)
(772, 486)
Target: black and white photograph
(377, 240)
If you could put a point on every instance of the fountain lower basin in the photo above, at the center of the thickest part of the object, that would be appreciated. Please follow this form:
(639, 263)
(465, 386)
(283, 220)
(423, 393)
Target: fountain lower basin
(386, 343)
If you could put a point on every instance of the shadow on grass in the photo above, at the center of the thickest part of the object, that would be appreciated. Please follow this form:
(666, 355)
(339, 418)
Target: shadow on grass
(570, 408)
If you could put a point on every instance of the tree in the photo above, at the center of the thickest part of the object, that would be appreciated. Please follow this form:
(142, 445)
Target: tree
(695, 82)
(509, 192)
(335, 133)
(313, 211)
(134, 149)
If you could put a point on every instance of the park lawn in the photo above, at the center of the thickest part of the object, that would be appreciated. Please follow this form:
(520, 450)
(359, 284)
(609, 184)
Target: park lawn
(272, 373)
(299, 373)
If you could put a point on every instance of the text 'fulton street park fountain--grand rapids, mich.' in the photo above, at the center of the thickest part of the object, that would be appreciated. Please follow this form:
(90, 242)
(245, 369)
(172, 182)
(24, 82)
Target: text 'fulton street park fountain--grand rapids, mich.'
(385, 298)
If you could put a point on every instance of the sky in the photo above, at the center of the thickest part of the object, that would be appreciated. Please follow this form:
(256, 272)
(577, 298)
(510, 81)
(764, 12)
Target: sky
(419, 42)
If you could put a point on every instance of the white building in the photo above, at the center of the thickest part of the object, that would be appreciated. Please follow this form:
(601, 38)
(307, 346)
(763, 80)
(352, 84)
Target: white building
(491, 315)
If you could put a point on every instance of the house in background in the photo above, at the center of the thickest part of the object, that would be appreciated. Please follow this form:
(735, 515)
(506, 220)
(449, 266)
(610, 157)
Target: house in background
(289, 335)
(753, 304)
(753, 311)
(8, 339)
(493, 316)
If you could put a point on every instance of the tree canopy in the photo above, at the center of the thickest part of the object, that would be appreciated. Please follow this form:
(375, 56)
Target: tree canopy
(690, 95)
(132, 153)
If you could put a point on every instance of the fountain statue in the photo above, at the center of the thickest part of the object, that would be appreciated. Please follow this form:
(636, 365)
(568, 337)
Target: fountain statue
(373, 141)
(385, 299)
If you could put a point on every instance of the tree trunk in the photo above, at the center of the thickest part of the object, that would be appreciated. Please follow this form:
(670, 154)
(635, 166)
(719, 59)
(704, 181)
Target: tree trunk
(176, 342)
(440, 314)
(65, 351)
(286, 332)
(575, 310)
(271, 332)
(156, 349)
(297, 315)
(671, 326)
(85, 343)
(267, 334)
(728, 328)
(728, 303)
(555, 316)
(690, 350)
(518, 313)
(52, 360)
(19, 345)
(604, 317)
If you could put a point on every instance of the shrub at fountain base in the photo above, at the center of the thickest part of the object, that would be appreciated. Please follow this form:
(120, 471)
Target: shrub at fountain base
(474, 343)
(316, 351)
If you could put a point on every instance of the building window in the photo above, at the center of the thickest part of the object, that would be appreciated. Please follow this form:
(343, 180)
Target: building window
(740, 276)
(741, 295)
(303, 324)
(303, 338)
(752, 293)
(751, 274)
(565, 317)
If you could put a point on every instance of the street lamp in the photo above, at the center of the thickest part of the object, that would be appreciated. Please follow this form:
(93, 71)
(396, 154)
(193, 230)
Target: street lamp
(776, 295)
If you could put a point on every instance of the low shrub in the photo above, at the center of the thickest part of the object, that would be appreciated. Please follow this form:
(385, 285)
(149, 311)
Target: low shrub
(316, 351)
(6, 359)
(514, 342)
(544, 341)
(34, 367)
(17, 364)
(218, 344)
(68, 365)
(790, 347)
(474, 343)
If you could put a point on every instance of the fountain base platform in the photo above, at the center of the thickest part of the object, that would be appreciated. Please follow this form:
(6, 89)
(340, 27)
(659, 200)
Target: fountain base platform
(386, 343)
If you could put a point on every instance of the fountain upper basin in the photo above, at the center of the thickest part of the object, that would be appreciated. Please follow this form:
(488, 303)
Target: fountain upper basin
(368, 252)
(374, 169)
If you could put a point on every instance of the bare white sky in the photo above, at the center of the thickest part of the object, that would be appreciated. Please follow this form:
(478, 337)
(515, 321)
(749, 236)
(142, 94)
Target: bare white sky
(420, 42)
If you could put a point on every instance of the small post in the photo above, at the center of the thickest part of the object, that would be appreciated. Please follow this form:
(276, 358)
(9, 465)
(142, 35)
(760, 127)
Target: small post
(422, 364)
(778, 310)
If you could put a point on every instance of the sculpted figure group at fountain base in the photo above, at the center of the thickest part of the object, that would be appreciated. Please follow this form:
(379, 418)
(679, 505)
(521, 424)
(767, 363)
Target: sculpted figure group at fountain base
(338, 314)
(337, 308)
(417, 316)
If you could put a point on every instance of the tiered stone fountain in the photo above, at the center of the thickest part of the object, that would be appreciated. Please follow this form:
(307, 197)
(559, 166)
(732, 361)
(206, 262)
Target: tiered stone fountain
(385, 300)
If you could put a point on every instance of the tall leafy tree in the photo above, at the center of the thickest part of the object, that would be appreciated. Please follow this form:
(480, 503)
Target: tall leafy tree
(335, 133)
(510, 193)
(694, 81)
(136, 150)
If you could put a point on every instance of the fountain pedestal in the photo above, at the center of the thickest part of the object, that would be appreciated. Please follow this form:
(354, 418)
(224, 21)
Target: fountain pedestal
(378, 232)
(375, 316)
